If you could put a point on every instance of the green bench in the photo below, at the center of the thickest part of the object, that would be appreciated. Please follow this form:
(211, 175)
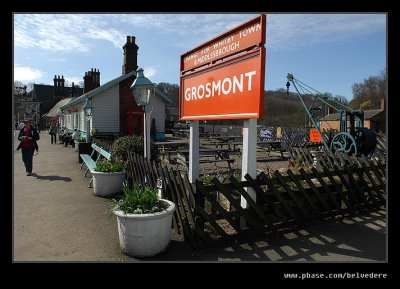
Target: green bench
(90, 163)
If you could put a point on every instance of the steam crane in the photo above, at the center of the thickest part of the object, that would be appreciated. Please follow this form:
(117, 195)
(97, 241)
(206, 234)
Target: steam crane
(353, 137)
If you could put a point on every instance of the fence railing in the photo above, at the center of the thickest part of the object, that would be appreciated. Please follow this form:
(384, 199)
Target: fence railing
(212, 214)
(284, 201)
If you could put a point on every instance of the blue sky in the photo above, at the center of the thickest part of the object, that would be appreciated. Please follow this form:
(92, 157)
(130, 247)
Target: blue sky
(329, 52)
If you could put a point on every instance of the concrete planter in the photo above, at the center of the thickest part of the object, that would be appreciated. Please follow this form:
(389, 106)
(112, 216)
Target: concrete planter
(107, 184)
(76, 145)
(142, 235)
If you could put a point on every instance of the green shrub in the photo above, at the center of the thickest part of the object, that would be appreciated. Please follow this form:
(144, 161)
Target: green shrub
(298, 162)
(135, 144)
(206, 179)
(93, 131)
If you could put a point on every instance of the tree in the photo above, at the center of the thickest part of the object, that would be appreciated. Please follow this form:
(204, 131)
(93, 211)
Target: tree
(30, 86)
(170, 90)
(373, 89)
(19, 90)
(341, 99)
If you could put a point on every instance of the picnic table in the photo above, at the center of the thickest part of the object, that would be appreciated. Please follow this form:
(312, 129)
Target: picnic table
(223, 140)
(219, 155)
(268, 145)
(170, 147)
(208, 135)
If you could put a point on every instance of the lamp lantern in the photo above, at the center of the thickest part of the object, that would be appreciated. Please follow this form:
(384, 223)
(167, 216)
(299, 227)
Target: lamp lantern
(88, 107)
(142, 89)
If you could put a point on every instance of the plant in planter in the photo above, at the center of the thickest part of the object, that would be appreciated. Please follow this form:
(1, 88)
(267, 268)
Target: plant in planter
(78, 140)
(108, 177)
(144, 221)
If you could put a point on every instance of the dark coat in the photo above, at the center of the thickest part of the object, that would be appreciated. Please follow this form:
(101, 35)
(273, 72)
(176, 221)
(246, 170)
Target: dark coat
(35, 137)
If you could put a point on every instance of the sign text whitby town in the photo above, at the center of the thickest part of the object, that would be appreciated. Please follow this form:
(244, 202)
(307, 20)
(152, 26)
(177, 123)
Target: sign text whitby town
(228, 45)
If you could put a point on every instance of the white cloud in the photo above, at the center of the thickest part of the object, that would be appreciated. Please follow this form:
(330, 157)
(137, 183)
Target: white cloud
(73, 79)
(63, 32)
(112, 35)
(26, 73)
(284, 31)
(73, 32)
(149, 71)
(191, 29)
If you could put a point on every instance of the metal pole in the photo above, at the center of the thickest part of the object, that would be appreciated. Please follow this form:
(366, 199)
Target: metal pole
(147, 152)
(88, 129)
(194, 151)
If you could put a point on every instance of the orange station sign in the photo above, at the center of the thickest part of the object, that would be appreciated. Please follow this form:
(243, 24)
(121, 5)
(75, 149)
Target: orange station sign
(224, 77)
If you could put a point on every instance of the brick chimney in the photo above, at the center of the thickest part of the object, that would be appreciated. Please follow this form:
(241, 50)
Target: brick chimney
(59, 85)
(130, 55)
(382, 104)
(73, 92)
(91, 80)
(62, 82)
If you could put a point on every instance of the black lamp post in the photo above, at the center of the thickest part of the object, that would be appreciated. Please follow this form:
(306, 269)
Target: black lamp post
(88, 107)
(142, 89)
(61, 118)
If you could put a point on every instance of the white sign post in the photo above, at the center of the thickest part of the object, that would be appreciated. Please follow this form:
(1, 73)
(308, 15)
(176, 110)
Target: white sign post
(249, 159)
(194, 151)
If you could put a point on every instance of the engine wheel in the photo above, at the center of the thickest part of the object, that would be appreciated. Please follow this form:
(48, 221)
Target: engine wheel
(343, 142)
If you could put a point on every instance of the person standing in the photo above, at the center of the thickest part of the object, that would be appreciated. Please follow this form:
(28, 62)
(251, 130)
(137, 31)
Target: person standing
(28, 136)
(53, 133)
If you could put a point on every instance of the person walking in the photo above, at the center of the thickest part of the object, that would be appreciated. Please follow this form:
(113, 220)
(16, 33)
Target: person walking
(53, 133)
(28, 136)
